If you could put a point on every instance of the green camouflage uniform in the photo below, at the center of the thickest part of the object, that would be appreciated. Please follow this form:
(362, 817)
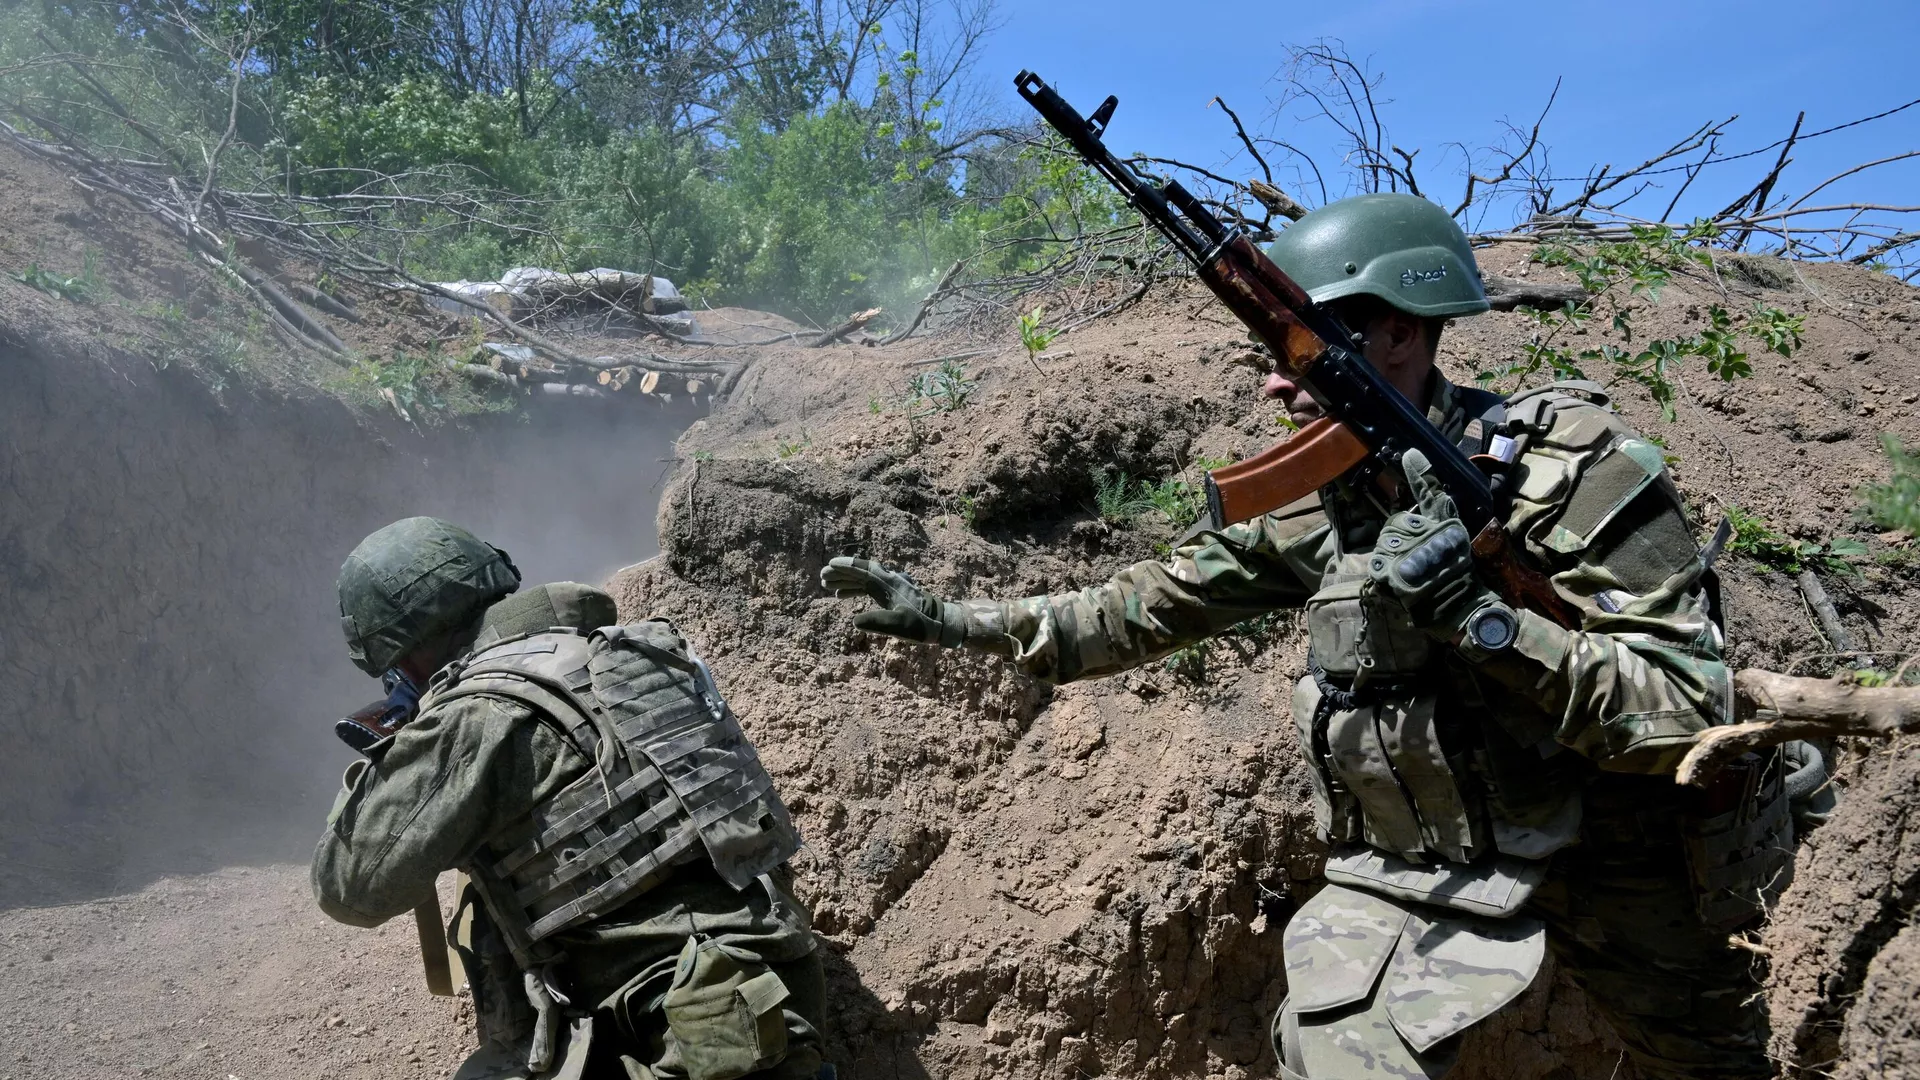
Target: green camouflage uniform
(1469, 804)
(471, 770)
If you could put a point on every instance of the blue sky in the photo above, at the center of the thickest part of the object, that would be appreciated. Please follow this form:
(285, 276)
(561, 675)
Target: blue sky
(1638, 75)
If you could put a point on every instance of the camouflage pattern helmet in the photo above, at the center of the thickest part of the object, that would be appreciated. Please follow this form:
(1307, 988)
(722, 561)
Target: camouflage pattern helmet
(413, 581)
(1398, 247)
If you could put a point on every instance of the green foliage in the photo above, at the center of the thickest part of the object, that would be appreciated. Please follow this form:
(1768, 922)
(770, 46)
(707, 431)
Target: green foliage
(1621, 278)
(947, 388)
(1759, 541)
(1120, 500)
(1895, 504)
(786, 448)
(418, 386)
(76, 288)
(338, 129)
(1033, 336)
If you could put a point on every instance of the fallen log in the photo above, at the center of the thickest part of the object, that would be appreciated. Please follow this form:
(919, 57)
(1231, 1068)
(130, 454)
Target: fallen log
(1773, 708)
(1506, 293)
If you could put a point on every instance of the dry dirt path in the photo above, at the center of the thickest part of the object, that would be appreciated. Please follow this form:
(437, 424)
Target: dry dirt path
(233, 975)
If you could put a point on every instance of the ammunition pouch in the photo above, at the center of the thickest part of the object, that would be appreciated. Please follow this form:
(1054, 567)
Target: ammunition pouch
(724, 1010)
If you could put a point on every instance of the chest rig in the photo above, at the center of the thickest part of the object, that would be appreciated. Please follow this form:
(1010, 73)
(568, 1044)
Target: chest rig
(674, 780)
(1407, 756)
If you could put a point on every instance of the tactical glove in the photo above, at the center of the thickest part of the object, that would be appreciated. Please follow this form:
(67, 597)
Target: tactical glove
(1424, 559)
(904, 610)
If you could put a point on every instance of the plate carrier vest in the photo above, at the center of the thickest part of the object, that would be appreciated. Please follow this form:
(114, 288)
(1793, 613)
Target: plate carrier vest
(674, 779)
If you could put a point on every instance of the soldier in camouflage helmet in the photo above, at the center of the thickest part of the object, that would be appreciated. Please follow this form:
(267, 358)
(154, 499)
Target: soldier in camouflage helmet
(1482, 800)
(628, 912)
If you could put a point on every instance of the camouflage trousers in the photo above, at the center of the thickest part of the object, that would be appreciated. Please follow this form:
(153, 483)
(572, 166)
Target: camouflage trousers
(1621, 914)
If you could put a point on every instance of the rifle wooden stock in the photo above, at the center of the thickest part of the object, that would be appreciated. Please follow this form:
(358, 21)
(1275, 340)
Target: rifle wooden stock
(1313, 458)
(433, 948)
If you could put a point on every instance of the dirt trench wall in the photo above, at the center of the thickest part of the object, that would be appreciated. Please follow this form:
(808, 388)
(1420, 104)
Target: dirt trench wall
(172, 658)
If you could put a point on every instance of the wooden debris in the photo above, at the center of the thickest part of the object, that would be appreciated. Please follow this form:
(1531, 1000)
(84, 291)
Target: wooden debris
(1506, 294)
(1776, 708)
(859, 320)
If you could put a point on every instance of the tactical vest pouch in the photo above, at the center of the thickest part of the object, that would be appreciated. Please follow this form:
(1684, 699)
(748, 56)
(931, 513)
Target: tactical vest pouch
(1739, 843)
(1423, 976)
(1353, 631)
(1496, 887)
(724, 1009)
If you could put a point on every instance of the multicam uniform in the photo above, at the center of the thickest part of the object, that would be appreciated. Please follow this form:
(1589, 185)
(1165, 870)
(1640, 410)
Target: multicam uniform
(1476, 805)
(619, 928)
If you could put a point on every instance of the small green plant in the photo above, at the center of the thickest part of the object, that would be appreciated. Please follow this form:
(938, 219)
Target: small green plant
(873, 406)
(1620, 277)
(1895, 504)
(1190, 663)
(1759, 541)
(786, 448)
(947, 388)
(969, 508)
(1033, 336)
(77, 289)
(1114, 497)
(1120, 500)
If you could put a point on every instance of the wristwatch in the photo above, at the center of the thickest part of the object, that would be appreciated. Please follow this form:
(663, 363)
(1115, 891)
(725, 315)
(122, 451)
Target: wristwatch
(1491, 629)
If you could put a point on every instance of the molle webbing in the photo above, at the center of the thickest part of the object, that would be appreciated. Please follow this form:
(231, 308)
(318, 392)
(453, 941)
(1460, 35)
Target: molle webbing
(671, 770)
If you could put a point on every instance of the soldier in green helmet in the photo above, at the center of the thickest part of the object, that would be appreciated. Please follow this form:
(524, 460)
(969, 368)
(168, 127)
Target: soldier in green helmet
(1482, 800)
(628, 899)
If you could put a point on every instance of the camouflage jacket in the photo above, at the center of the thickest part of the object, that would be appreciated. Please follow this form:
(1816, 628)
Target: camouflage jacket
(1419, 773)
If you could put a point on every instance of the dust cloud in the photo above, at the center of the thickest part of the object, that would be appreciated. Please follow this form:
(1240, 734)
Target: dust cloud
(174, 660)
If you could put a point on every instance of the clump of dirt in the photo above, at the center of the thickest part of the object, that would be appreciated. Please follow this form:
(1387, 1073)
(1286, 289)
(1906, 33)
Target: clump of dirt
(1088, 880)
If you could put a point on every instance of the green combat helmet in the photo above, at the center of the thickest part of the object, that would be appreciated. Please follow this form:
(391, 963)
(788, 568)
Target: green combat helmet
(413, 581)
(1400, 248)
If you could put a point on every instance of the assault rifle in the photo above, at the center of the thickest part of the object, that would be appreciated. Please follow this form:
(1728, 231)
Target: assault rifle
(1368, 426)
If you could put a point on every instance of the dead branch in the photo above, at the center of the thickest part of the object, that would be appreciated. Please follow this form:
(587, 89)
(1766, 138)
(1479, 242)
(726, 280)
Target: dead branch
(1775, 708)
(1757, 198)
(858, 320)
(939, 292)
(1824, 612)
(1513, 160)
(1276, 201)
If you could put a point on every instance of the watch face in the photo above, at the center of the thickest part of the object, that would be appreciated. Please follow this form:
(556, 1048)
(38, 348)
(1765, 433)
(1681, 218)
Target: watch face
(1493, 628)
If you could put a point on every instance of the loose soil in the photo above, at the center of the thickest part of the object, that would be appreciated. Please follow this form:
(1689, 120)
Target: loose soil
(1011, 880)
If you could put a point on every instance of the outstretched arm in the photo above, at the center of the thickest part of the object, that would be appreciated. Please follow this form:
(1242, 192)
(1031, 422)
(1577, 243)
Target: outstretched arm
(1144, 612)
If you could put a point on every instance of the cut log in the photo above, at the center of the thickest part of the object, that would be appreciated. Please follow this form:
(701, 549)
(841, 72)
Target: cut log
(1775, 708)
(649, 382)
(693, 386)
(552, 389)
(856, 322)
(1506, 293)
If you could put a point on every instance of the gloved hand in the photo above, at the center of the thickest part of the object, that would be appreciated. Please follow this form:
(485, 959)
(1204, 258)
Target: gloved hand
(904, 610)
(1424, 557)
